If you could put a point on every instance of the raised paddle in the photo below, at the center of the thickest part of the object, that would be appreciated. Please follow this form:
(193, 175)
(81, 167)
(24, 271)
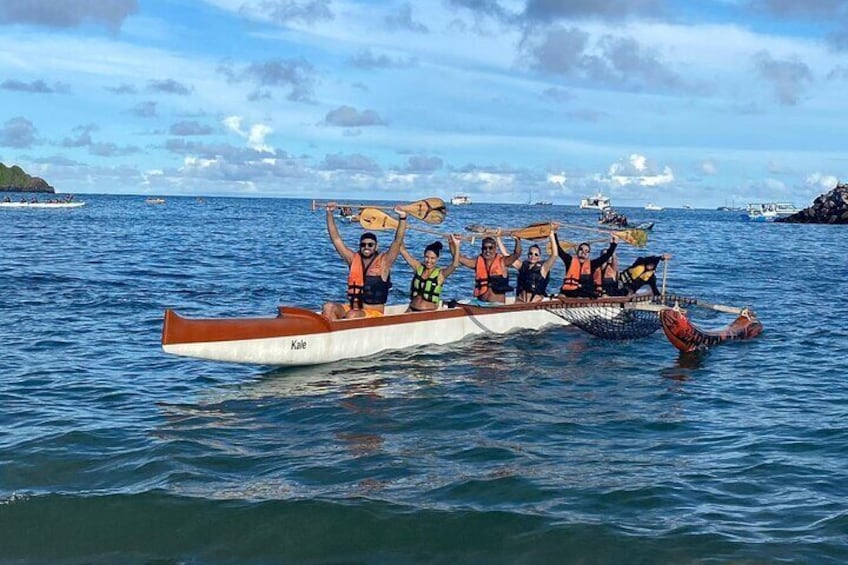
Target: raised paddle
(635, 237)
(533, 231)
(374, 219)
(429, 210)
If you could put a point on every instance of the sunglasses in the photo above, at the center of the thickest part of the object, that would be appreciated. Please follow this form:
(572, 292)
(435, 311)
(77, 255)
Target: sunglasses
(534, 254)
(488, 247)
(367, 245)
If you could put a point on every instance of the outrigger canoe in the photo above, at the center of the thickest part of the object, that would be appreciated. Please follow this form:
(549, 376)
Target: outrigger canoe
(41, 204)
(297, 336)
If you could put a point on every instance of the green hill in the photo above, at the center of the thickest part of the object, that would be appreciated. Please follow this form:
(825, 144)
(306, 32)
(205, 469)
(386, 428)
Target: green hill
(14, 179)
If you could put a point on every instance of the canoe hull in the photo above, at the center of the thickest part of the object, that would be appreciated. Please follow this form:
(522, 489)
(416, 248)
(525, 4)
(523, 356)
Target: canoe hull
(41, 205)
(300, 337)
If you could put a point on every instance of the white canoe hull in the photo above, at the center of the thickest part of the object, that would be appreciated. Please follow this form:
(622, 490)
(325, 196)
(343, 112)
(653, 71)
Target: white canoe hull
(41, 204)
(326, 342)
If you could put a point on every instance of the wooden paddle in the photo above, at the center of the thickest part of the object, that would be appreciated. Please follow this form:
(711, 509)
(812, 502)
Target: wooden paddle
(375, 219)
(533, 231)
(429, 210)
(635, 237)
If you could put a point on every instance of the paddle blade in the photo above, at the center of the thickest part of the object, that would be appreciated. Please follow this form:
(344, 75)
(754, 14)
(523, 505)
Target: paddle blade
(373, 219)
(533, 231)
(636, 238)
(429, 210)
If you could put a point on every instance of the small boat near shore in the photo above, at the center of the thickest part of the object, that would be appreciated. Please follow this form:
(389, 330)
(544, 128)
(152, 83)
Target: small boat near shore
(768, 211)
(297, 336)
(41, 205)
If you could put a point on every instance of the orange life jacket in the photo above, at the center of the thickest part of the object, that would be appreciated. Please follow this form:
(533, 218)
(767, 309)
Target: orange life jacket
(577, 274)
(365, 284)
(494, 276)
(604, 277)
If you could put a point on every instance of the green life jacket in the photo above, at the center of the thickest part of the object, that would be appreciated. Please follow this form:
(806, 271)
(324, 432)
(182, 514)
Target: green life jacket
(430, 289)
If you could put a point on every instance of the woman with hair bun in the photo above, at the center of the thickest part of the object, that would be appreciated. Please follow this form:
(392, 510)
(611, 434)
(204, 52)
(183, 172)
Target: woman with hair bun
(427, 277)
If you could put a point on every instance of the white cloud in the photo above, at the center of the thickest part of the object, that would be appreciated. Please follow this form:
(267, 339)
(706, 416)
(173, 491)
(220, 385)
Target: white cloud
(820, 180)
(636, 169)
(559, 179)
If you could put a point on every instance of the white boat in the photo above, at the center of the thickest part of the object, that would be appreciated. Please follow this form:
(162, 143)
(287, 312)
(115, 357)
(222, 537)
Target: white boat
(769, 211)
(154, 201)
(461, 199)
(653, 207)
(596, 202)
(43, 205)
(301, 337)
(544, 203)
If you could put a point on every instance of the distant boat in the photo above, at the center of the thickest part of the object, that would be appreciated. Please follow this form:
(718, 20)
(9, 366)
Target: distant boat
(155, 201)
(43, 205)
(768, 211)
(653, 207)
(543, 203)
(597, 202)
(461, 199)
(687, 207)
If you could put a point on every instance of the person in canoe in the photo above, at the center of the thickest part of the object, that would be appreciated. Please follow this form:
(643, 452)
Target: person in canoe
(533, 273)
(642, 272)
(491, 272)
(579, 281)
(606, 278)
(369, 279)
(425, 290)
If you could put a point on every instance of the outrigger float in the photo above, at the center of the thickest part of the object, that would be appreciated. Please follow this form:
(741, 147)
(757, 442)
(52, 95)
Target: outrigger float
(298, 337)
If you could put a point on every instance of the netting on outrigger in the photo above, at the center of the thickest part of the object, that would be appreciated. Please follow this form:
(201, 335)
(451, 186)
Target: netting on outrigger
(614, 318)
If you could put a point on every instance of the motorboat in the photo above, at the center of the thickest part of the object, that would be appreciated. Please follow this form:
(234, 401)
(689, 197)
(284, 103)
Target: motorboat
(461, 199)
(653, 207)
(768, 211)
(596, 202)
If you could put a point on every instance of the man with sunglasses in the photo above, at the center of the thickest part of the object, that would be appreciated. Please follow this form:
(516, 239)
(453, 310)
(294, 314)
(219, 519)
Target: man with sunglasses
(491, 275)
(579, 281)
(369, 279)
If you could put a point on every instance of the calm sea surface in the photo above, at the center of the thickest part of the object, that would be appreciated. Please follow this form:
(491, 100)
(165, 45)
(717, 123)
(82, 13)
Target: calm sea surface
(549, 447)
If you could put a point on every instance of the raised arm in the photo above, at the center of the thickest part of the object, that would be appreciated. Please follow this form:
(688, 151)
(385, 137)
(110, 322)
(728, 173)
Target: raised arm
(549, 262)
(602, 258)
(562, 253)
(343, 250)
(410, 260)
(394, 249)
(502, 248)
(516, 253)
(454, 243)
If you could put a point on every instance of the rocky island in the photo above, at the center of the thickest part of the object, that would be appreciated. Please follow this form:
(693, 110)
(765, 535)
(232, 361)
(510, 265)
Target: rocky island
(830, 208)
(14, 179)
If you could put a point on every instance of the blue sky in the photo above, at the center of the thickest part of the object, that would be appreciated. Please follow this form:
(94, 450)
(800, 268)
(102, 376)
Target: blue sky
(673, 102)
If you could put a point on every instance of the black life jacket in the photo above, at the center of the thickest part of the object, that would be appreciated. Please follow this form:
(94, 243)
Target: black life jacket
(530, 279)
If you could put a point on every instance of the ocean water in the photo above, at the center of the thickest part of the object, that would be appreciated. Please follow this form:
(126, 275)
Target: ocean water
(534, 447)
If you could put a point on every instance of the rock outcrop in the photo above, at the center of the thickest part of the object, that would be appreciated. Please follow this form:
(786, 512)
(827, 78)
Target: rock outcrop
(830, 208)
(14, 179)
